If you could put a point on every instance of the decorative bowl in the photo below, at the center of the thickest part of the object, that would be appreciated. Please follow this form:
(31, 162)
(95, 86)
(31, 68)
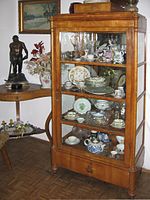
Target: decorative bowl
(99, 118)
(98, 81)
(103, 104)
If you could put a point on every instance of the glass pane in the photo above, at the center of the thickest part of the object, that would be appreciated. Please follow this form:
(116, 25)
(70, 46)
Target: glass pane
(139, 140)
(140, 111)
(141, 51)
(94, 47)
(140, 80)
(82, 139)
(94, 80)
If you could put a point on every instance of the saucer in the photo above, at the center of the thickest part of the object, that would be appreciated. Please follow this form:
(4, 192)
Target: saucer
(76, 141)
(118, 97)
(71, 115)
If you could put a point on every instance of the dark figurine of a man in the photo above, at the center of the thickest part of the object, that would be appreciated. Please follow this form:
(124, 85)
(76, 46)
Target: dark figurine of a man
(16, 54)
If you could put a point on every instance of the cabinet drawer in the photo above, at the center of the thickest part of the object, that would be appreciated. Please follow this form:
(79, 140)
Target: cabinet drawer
(98, 170)
(110, 174)
(73, 163)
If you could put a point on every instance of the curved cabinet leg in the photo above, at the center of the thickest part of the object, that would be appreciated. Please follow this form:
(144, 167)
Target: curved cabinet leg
(54, 170)
(47, 127)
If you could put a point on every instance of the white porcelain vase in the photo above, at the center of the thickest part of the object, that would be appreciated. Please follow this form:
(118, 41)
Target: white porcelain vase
(45, 79)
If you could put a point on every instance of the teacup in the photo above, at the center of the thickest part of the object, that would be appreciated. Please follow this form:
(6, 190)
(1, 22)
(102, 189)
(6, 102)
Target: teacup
(113, 154)
(122, 91)
(68, 85)
(90, 57)
(80, 119)
(81, 84)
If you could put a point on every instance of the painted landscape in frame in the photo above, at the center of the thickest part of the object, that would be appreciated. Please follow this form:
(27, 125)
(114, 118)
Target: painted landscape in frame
(34, 16)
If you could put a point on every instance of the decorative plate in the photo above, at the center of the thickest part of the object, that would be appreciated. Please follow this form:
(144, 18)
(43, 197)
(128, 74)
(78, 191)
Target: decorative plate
(82, 105)
(122, 80)
(99, 90)
(78, 73)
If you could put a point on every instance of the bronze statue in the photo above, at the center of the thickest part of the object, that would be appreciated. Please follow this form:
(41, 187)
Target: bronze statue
(17, 49)
(16, 56)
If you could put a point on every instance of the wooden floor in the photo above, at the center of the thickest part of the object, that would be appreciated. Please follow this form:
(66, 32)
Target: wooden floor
(30, 178)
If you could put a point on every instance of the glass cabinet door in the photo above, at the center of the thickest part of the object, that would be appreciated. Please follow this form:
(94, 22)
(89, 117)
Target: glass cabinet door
(94, 47)
(93, 88)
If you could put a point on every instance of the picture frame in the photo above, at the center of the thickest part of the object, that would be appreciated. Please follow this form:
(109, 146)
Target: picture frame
(34, 16)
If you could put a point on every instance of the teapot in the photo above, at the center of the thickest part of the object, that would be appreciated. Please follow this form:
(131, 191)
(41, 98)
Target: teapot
(94, 145)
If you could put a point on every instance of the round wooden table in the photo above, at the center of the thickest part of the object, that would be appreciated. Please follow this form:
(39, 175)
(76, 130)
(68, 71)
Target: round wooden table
(32, 91)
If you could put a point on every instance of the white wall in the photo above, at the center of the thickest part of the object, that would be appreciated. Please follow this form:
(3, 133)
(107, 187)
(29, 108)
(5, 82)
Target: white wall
(35, 111)
(144, 10)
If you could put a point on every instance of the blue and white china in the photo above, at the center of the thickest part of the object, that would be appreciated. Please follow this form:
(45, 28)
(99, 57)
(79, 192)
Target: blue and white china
(103, 137)
(94, 145)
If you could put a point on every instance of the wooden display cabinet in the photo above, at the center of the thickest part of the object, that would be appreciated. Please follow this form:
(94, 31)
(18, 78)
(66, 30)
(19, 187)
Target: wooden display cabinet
(110, 45)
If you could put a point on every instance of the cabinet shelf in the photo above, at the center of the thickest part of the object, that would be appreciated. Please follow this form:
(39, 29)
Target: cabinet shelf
(106, 129)
(93, 63)
(94, 96)
(82, 148)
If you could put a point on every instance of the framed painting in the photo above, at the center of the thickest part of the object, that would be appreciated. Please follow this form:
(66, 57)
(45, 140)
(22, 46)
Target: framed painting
(34, 16)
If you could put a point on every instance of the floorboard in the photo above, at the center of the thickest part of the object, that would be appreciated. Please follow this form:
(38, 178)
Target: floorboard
(31, 179)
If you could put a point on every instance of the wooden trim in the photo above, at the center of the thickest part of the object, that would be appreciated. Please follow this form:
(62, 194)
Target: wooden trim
(145, 170)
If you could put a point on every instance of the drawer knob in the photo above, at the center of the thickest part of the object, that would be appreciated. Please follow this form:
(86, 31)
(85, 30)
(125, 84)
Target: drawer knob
(89, 169)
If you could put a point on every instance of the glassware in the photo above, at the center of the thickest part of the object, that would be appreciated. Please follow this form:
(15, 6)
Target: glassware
(132, 6)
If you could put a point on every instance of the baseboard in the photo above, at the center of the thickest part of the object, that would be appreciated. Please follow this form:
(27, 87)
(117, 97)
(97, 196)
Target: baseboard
(145, 170)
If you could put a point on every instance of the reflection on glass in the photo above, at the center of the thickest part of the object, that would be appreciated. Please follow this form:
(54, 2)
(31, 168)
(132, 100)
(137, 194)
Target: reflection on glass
(91, 46)
(141, 51)
(95, 142)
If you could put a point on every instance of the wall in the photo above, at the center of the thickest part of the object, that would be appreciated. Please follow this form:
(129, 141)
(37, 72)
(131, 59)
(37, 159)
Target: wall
(144, 10)
(30, 109)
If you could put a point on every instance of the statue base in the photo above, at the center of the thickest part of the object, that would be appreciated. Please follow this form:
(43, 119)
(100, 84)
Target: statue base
(16, 81)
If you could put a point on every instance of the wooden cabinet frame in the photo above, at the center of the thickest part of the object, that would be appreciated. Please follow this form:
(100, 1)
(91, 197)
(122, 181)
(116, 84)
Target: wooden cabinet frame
(122, 173)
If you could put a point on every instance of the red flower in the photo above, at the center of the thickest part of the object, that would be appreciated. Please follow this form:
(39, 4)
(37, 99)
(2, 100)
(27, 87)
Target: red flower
(34, 51)
(39, 46)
